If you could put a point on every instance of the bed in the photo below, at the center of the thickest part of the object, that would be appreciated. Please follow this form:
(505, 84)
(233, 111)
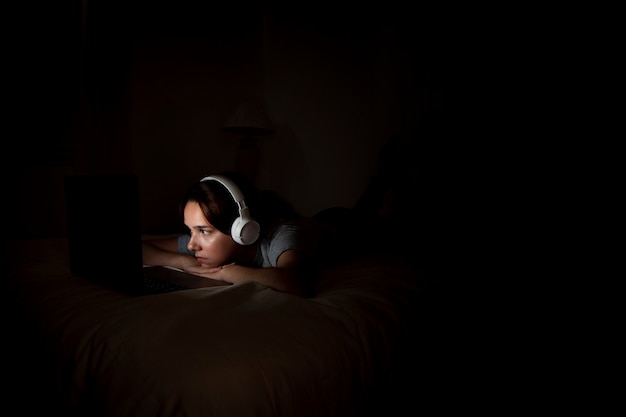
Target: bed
(359, 346)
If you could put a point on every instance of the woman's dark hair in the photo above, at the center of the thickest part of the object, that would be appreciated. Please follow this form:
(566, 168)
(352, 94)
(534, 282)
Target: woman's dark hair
(221, 210)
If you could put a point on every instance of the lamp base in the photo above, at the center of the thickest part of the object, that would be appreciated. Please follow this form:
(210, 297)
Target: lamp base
(248, 158)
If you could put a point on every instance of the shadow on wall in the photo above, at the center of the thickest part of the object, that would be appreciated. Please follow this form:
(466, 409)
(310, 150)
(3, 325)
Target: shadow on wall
(414, 204)
(285, 168)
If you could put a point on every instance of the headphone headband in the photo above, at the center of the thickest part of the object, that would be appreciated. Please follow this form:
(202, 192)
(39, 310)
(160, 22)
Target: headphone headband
(232, 188)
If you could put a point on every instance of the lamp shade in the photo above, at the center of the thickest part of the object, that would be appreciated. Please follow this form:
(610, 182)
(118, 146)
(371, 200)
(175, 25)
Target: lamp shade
(249, 118)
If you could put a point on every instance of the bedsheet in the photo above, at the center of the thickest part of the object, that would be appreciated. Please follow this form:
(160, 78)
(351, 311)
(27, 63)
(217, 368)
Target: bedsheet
(240, 350)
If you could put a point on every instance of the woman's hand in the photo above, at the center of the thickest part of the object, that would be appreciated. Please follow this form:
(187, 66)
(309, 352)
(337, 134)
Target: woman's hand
(292, 275)
(208, 272)
(163, 252)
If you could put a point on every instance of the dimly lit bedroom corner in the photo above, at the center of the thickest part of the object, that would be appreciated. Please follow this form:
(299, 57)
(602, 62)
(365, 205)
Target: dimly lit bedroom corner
(358, 133)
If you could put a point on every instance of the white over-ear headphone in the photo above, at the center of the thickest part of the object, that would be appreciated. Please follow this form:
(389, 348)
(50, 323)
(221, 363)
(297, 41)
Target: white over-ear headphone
(245, 230)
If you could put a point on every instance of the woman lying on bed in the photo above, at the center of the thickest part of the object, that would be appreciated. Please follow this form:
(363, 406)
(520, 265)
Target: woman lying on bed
(266, 242)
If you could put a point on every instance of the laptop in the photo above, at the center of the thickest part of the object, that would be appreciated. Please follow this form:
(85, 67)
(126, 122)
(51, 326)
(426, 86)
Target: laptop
(104, 237)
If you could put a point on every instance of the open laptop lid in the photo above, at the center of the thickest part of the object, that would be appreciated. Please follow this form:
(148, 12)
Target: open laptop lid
(103, 229)
(104, 236)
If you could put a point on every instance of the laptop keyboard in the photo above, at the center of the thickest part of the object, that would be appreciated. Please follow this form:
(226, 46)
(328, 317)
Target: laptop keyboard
(156, 286)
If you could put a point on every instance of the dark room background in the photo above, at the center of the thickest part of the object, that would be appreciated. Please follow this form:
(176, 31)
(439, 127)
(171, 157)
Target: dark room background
(145, 87)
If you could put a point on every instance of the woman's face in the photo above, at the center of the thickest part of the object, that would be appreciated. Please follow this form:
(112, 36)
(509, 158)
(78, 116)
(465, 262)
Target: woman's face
(212, 247)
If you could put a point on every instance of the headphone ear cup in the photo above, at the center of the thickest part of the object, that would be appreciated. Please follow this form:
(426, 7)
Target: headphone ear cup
(245, 231)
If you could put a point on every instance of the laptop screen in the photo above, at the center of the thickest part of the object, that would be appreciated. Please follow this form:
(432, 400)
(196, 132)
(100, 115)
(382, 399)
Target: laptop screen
(104, 230)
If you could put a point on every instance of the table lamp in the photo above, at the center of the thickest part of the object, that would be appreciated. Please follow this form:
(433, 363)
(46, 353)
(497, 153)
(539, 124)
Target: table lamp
(248, 121)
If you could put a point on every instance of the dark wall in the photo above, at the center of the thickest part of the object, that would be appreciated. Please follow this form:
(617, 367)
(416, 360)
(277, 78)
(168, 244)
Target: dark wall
(145, 87)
